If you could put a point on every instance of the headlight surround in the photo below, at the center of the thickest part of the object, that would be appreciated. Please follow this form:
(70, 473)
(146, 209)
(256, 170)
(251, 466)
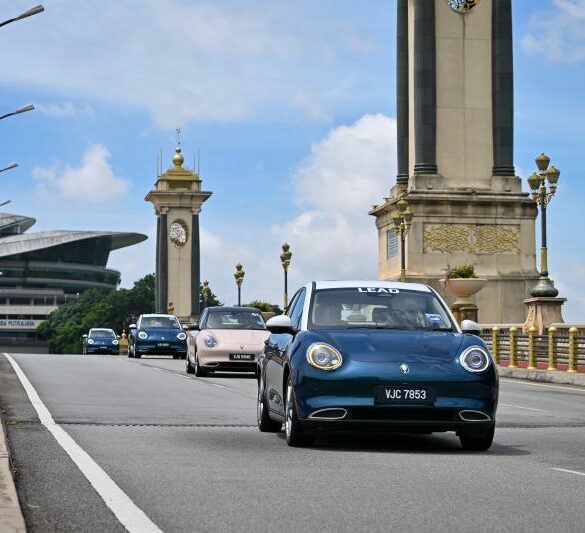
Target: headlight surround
(475, 359)
(210, 341)
(115, 342)
(90, 341)
(142, 335)
(181, 336)
(323, 356)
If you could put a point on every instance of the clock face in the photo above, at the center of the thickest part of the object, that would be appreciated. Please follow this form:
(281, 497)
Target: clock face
(462, 6)
(178, 233)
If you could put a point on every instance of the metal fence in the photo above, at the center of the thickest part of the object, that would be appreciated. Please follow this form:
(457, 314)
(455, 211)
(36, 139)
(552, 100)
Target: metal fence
(562, 347)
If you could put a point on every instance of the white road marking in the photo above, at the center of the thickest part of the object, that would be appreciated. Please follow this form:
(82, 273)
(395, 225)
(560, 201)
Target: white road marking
(527, 408)
(569, 471)
(125, 510)
(582, 391)
(220, 386)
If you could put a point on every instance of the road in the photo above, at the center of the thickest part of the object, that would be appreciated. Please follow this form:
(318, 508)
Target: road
(186, 452)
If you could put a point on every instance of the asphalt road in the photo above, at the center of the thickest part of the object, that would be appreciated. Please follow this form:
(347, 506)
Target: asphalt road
(186, 451)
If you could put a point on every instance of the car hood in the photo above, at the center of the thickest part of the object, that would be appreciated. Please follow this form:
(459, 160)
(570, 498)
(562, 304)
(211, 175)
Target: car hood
(239, 336)
(162, 333)
(395, 346)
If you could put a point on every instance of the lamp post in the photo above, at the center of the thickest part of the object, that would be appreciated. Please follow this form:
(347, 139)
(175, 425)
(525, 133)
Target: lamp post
(402, 219)
(9, 167)
(239, 275)
(285, 257)
(23, 109)
(542, 195)
(32, 11)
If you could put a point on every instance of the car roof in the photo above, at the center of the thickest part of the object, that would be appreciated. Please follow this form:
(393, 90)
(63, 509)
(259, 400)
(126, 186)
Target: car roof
(217, 308)
(354, 284)
(156, 315)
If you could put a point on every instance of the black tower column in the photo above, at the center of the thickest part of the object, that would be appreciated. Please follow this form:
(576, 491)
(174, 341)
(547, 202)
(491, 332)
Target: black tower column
(163, 271)
(402, 91)
(195, 268)
(425, 88)
(157, 268)
(502, 88)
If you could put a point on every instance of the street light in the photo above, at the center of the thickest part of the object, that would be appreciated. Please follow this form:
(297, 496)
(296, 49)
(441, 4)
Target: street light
(402, 219)
(23, 109)
(285, 257)
(5, 202)
(542, 196)
(9, 167)
(239, 275)
(32, 11)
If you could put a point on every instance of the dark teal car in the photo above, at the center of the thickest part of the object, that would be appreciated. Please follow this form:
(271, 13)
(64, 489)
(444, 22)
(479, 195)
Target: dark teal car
(157, 334)
(101, 340)
(375, 356)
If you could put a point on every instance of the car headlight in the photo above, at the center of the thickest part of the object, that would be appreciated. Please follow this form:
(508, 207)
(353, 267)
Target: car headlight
(182, 336)
(475, 359)
(323, 356)
(90, 341)
(210, 341)
(115, 342)
(142, 335)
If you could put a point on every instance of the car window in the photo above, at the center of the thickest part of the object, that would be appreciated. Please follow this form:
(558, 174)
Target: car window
(380, 308)
(297, 311)
(163, 322)
(240, 319)
(292, 303)
(104, 333)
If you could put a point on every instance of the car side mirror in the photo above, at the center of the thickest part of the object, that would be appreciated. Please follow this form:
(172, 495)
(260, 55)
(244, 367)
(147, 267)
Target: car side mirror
(280, 324)
(84, 336)
(470, 327)
(132, 326)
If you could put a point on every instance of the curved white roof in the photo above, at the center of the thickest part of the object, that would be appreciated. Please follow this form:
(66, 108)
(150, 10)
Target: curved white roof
(22, 243)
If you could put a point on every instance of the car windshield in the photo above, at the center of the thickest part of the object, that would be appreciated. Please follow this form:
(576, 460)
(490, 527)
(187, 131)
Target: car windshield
(377, 307)
(103, 333)
(235, 320)
(164, 322)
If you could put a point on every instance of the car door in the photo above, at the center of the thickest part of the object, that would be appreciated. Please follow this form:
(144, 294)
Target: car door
(276, 351)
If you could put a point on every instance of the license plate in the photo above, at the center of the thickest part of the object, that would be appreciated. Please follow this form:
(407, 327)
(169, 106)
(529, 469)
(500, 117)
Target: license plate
(163, 344)
(405, 394)
(241, 357)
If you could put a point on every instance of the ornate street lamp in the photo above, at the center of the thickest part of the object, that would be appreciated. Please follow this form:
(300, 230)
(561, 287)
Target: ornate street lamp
(402, 219)
(542, 196)
(29, 13)
(285, 257)
(239, 275)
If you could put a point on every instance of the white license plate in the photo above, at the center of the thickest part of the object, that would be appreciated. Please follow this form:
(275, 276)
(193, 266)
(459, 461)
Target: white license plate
(405, 394)
(241, 357)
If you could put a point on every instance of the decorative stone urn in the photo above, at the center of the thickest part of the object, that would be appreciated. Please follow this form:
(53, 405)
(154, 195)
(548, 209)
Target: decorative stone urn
(463, 289)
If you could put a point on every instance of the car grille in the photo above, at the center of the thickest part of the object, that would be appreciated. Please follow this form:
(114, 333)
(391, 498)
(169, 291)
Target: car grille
(417, 414)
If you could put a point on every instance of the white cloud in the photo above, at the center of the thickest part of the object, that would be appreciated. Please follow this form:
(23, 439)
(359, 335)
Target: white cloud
(182, 61)
(558, 35)
(92, 181)
(63, 109)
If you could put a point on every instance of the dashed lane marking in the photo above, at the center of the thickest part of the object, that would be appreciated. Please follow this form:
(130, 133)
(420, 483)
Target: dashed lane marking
(125, 510)
(569, 471)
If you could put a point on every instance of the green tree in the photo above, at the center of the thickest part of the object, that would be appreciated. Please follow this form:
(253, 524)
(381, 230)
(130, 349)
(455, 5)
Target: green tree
(265, 306)
(65, 326)
(212, 300)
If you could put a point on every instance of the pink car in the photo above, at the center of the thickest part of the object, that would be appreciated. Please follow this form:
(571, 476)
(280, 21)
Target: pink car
(227, 339)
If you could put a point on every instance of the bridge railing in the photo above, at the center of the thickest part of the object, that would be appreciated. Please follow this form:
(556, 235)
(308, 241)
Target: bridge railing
(561, 347)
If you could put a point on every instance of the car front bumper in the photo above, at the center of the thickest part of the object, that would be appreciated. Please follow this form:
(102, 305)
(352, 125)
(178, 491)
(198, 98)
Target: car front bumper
(114, 350)
(154, 348)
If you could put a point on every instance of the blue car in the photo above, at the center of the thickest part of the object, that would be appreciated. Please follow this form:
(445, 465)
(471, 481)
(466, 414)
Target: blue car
(101, 340)
(375, 356)
(157, 334)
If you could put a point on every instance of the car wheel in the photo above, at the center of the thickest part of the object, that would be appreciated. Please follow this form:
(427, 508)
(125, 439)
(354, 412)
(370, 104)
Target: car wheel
(477, 442)
(176, 356)
(200, 372)
(293, 431)
(265, 423)
(189, 367)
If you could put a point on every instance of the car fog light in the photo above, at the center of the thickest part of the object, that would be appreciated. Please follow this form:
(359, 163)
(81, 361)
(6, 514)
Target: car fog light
(475, 359)
(323, 356)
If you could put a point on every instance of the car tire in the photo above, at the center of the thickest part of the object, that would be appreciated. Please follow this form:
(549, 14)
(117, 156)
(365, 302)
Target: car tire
(176, 356)
(477, 442)
(189, 367)
(137, 355)
(200, 372)
(265, 423)
(293, 431)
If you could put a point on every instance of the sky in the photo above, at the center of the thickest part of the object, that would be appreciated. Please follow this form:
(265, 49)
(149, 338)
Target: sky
(291, 106)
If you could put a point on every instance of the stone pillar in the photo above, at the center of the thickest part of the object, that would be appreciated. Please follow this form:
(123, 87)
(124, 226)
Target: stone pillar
(195, 266)
(425, 88)
(164, 265)
(402, 91)
(542, 312)
(502, 88)
(157, 267)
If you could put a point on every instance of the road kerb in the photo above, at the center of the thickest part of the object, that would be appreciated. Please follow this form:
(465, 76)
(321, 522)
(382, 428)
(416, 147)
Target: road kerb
(11, 519)
(543, 376)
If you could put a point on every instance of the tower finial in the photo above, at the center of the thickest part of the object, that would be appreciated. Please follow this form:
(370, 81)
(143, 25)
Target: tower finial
(178, 158)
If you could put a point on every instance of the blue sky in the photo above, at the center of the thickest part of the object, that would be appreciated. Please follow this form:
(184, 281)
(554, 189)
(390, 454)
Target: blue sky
(292, 106)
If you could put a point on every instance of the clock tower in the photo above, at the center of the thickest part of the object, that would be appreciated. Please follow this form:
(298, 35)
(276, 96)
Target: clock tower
(177, 200)
(455, 151)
